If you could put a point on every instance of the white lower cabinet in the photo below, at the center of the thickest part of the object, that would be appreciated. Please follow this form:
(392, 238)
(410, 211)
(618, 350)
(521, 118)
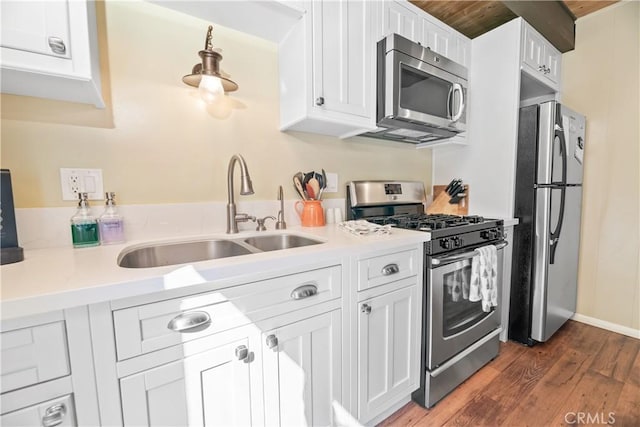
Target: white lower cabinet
(215, 387)
(57, 412)
(386, 349)
(302, 371)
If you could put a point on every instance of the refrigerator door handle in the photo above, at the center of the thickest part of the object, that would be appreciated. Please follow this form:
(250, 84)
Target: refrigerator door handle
(559, 137)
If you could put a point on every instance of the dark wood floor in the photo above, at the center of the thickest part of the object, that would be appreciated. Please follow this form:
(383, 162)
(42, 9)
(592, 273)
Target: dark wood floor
(582, 376)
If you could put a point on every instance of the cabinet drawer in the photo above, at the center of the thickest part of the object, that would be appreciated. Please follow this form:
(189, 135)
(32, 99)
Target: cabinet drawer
(145, 328)
(378, 270)
(56, 412)
(33, 355)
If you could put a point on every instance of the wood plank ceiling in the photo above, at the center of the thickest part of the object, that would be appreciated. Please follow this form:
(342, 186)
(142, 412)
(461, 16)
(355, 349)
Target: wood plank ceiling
(473, 18)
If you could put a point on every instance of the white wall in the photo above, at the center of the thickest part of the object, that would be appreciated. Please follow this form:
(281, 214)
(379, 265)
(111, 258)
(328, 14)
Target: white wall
(600, 79)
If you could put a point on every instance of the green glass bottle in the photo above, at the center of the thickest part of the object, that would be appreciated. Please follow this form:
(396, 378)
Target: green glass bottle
(84, 226)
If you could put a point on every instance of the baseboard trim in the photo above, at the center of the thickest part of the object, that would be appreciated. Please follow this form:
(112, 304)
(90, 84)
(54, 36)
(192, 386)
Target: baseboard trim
(603, 324)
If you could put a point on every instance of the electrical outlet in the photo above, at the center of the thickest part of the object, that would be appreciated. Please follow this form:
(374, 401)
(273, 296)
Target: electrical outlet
(75, 180)
(332, 183)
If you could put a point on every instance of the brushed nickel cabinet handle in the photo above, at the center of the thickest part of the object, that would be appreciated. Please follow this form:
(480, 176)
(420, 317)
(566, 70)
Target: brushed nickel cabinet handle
(390, 269)
(242, 352)
(304, 291)
(54, 415)
(192, 321)
(57, 45)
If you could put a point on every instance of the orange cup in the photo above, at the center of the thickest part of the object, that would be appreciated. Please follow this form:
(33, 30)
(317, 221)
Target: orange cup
(310, 212)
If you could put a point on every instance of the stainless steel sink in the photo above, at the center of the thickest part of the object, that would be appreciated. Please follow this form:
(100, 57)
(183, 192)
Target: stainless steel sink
(172, 253)
(276, 242)
(156, 255)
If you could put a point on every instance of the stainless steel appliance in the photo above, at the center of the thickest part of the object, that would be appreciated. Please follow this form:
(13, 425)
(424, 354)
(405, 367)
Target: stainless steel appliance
(421, 95)
(458, 336)
(548, 204)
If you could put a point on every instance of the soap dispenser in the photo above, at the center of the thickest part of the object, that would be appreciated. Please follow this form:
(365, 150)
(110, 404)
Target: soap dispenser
(111, 223)
(84, 226)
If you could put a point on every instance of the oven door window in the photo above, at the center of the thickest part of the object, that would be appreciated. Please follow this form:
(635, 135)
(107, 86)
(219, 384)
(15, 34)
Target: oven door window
(458, 313)
(425, 93)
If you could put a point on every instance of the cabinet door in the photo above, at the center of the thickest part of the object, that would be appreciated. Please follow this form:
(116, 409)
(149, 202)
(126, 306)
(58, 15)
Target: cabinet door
(210, 388)
(33, 25)
(56, 412)
(552, 60)
(400, 20)
(533, 49)
(343, 56)
(302, 371)
(439, 39)
(387, 349)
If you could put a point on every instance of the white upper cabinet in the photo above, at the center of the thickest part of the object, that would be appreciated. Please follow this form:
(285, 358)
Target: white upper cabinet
(539, 58)
(439, 39)
(399, 19)
(49, 49)
(407, 20)
(327, 69)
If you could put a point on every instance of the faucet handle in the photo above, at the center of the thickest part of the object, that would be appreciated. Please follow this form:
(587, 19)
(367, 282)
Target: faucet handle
(260, 221)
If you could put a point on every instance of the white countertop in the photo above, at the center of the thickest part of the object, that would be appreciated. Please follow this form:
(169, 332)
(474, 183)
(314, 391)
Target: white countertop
(58, 278)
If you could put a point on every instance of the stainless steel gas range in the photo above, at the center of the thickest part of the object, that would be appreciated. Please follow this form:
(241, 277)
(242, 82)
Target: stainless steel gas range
(459, 336)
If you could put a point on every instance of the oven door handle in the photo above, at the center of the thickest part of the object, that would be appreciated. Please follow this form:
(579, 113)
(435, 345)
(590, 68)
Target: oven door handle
(462, 256)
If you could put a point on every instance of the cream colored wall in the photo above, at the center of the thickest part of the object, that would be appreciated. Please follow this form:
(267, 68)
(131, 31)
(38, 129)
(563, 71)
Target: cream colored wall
(156, 143)
(600, 79)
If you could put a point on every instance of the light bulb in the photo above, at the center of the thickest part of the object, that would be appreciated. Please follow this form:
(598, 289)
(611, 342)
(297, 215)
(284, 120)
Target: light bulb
(210, 88)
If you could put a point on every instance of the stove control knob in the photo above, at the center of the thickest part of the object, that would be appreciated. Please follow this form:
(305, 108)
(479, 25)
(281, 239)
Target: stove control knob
(485, 234)
(445, 244)
(456, 242)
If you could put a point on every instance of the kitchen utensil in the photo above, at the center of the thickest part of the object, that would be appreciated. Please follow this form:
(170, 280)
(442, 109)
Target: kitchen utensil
(310, 212)
(456, 187)
(450, 185)
(311, 194)
(315, 187)
(307, 177)
(324, 184)
(456, 199)
(298, 184)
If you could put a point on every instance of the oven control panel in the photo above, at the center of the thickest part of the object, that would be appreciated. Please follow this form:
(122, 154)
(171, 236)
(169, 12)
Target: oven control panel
(465, 240)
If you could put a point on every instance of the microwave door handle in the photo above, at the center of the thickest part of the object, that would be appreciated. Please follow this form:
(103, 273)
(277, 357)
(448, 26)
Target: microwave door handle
(458, 88)
(449, 101)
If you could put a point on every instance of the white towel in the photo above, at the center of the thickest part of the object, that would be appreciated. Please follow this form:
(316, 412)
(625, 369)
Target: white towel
(484, 277)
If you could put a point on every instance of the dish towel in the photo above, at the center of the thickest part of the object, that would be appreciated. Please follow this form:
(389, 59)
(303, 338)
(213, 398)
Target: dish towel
(484, 277)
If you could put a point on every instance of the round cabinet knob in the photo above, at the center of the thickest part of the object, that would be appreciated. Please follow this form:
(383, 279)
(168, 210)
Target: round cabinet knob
(319, 101)
(366, 308)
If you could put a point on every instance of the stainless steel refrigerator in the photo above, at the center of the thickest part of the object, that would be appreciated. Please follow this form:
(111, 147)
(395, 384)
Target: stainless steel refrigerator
(548, 199)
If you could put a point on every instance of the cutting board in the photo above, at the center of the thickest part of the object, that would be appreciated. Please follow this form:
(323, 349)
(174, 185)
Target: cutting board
(441, 202)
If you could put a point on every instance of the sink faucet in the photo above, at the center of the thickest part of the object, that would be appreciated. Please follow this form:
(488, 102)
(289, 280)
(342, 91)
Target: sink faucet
(280, 224)
(246, 188)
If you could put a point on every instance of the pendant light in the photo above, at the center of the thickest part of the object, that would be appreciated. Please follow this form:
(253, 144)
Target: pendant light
(206, 74)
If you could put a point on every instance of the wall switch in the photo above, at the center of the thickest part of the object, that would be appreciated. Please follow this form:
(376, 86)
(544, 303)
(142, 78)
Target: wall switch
(76, 180)
(332, 183)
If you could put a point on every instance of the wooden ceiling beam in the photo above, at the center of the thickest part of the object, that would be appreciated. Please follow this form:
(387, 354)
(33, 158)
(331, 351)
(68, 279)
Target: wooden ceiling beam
(552, 19)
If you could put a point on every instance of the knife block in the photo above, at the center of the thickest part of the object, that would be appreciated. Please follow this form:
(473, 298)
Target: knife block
(441, 203)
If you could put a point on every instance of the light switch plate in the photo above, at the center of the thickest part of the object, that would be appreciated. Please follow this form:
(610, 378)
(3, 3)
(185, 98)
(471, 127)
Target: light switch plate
(332, 183)
(77, 180)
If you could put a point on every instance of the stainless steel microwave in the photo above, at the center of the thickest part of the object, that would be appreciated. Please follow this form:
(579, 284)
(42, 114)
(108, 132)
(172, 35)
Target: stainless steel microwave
(421, 95)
